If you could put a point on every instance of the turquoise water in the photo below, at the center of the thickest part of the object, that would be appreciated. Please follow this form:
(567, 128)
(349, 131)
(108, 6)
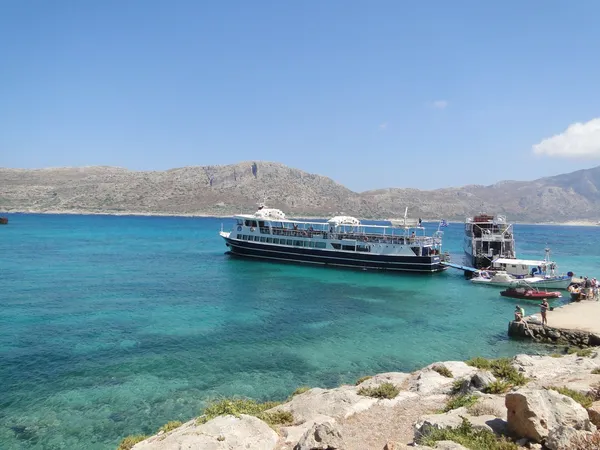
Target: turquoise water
(111, 326)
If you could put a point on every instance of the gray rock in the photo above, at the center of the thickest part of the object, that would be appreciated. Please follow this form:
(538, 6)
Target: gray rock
(561, 438)
(533, 414)
(449, 445)
(220, 433)
(594, 413)
(322, 436)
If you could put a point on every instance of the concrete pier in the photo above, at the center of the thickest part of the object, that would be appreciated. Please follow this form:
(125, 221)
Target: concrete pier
(576, 323)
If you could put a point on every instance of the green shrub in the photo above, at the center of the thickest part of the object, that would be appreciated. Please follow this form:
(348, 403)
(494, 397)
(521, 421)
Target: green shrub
(596, 371)
(361, 379)
(497, 387)
(457, 385)
(460, 401)
(583, 399)
(480, 363)
(384, 390)
(467, 436)
(556, 355)
(170, 426)
(237, 406)
(130, 441)
(300, 390)
(278, 417)
(443, 370)
(501, 368)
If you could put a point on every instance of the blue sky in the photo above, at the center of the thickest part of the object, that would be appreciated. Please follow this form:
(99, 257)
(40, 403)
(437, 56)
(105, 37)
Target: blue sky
(373, 94)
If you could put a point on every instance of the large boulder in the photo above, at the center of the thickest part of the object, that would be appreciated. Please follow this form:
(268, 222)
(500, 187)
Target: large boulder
(533, 414)
(594, 413)
(561, 438)
(322, 436)
(220, 433)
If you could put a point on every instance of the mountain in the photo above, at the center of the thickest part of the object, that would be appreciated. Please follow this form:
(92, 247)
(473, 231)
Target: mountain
(225, 190)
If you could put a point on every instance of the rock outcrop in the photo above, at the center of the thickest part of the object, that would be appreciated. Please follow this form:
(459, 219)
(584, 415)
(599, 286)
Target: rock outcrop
(341, 418)
(231, 189)
(533, 414)
(220, 433)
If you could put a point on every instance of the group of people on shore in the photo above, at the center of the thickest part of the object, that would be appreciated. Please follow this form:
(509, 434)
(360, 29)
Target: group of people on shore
(544, 306)
(587, 289)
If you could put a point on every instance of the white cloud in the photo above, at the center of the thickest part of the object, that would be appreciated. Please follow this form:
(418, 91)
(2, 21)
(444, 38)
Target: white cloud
(440, 104)
(383, 126)
(580, 140)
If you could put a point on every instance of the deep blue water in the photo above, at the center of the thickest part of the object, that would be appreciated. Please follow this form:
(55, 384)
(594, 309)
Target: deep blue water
(111, 326)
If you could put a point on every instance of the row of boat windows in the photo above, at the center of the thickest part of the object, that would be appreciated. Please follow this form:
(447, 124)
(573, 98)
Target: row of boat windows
(298, 243)
(294, 242)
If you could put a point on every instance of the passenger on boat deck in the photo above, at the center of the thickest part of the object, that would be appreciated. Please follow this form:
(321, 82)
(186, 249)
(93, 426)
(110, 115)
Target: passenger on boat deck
(519, 313)
(295, 226)
(543, 309)
(420, 221)
(412, 235)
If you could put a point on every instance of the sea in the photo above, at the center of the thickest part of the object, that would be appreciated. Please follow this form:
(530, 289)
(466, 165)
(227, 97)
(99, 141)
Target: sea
(115, 325)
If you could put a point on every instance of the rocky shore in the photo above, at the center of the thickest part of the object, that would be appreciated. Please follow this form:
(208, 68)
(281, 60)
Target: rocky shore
(550, 402)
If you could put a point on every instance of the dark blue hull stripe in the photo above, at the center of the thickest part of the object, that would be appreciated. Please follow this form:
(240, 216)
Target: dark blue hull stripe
(331, 258)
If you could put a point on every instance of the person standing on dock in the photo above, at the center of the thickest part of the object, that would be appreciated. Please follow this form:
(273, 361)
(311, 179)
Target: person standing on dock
(543, 310)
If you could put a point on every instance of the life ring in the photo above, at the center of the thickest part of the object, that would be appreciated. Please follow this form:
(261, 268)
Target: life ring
(239, 228)
(252, 229)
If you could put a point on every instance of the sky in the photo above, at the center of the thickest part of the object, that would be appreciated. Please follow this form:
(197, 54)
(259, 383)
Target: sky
(373, 94)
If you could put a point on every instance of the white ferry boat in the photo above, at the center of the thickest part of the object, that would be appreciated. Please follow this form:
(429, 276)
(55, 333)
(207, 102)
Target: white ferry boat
(488, 238)
(342, 241)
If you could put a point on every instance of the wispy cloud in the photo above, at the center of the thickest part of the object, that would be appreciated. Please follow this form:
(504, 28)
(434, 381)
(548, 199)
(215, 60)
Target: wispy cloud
(383, 126)
(440, 104)
(579, 140)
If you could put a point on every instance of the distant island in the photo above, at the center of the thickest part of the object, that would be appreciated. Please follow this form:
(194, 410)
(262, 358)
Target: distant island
(230, 189)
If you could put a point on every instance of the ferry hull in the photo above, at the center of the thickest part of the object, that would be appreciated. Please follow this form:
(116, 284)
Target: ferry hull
(364, 261)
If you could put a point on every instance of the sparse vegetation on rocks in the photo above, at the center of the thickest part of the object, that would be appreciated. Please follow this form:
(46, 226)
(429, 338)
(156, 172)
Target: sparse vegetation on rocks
(583, 399)
(459, 401)
(169, 426)
(503, 369)
(363, 379)
(442, 370)
(130, 441)
(384, 390)
(238, 406)
(469, 437)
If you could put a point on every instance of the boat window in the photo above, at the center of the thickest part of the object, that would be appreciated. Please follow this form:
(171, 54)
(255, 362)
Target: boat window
(361, 248)
(290, 242)
(269, 240)
(263, 239)
(417, 250)
(320, 245)
(254, 223)
(336, 246)
(349, 247)
(238, 236)
(261, 223)
(299, 243)
(275, 240)
(311, 244)
(247, 223)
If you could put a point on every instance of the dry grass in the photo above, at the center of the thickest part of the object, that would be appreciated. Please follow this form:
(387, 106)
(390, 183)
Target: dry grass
(130, 441)
(443, 370)
(482, 409)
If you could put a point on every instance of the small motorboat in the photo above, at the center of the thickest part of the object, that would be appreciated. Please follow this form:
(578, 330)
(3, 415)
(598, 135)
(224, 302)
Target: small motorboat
(527, 293)
(3, 220)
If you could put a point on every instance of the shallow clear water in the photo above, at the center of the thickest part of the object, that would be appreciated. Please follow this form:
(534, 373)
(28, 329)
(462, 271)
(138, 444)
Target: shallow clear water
(112, 326)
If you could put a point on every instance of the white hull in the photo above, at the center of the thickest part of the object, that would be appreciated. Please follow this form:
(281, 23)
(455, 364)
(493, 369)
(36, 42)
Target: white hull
(544, 283)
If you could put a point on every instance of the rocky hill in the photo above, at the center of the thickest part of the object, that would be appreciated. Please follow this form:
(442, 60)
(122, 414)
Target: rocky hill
(224, 190)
